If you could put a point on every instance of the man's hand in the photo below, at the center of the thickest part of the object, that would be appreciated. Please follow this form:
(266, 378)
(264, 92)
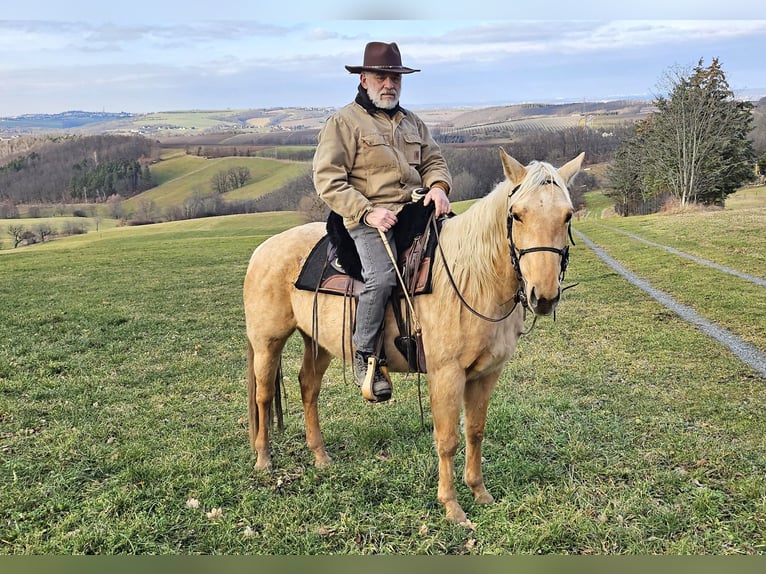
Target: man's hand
(380, 218)
(440, 199)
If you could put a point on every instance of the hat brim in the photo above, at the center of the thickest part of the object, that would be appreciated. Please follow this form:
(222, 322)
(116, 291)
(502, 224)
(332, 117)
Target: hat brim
(381, 69)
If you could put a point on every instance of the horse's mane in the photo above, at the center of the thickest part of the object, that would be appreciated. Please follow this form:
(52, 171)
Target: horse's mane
(475, 242)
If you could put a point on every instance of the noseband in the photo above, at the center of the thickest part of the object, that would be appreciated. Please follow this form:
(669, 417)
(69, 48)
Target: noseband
(517, 254)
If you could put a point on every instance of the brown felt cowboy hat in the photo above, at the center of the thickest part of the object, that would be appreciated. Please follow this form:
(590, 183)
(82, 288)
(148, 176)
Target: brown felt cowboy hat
(381, 57)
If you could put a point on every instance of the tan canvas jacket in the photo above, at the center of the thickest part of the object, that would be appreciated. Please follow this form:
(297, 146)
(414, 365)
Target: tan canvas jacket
(365, 160)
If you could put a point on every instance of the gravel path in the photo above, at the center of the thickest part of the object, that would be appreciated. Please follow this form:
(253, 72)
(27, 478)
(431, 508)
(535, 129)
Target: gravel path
(730, 271)
(742, 349)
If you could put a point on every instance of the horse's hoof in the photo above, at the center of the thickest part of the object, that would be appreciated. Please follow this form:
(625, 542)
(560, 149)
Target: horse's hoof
(455, 514)
(262, 466)
(322, 461)
(484, 498)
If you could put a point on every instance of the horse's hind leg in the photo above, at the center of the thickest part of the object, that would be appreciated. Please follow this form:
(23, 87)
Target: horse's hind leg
(262, 368)
(476, 400)
(315, 363)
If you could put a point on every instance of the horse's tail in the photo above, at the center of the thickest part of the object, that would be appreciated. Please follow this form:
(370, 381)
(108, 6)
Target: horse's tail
(277, 406)
(252, 405)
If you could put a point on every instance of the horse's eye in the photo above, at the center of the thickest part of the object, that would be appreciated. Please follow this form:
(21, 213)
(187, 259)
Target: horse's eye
(517, 217)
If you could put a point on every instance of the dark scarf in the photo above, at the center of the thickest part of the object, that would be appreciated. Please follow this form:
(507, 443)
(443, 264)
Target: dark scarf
(363, 99)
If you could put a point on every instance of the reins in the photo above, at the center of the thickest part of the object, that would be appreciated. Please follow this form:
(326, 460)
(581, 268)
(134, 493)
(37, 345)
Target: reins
(457, 290)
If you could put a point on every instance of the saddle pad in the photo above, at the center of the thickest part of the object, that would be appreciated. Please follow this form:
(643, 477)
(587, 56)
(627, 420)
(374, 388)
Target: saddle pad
(319, 273)
(322, 273)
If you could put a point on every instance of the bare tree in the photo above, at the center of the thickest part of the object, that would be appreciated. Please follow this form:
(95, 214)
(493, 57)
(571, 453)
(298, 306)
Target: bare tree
(313, 208)
(238, 177)
(114, 203)
(146, 210)
(16, 231)
(44, 231)
(220, 182)
(464, 186)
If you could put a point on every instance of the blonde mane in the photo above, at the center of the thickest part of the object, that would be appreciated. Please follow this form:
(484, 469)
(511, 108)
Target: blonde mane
(475, 243)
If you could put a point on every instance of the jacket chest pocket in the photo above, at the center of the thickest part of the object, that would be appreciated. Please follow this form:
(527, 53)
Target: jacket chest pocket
(412, 149)
(377, 152)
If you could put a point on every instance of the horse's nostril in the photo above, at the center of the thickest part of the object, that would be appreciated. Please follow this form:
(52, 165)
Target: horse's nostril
(532, 297)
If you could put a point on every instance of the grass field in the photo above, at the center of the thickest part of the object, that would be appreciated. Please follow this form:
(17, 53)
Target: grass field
(618, 429)
(180, 177)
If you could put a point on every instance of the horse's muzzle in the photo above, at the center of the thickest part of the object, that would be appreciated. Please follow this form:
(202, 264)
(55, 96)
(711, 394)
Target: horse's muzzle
(542, 305)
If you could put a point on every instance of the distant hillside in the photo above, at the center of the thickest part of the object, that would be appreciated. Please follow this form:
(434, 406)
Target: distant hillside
(167, 124)
(184, 179)
(296, 125)
(53, 122)
(55, 169)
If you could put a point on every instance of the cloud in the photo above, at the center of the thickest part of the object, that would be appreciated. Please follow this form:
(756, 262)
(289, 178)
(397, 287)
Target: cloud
(144, 66)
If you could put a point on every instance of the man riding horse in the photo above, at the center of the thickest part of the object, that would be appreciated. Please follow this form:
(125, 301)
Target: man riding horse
(374, 157)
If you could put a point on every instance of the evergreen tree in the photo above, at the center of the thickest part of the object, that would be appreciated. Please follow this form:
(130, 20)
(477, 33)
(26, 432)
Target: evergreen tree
(695, 146)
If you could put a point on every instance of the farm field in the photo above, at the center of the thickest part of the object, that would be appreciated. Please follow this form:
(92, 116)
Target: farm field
(183, 176)
(617, 429)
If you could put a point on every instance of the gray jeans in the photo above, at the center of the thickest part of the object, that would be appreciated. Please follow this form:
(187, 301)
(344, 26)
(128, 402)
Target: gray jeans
(379, 279)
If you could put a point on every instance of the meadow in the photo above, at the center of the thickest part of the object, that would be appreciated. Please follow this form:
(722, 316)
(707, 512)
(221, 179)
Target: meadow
(616, 429)
(181, 176)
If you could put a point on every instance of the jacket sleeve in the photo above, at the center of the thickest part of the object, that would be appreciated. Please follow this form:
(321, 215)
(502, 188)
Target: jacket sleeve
(333, 162)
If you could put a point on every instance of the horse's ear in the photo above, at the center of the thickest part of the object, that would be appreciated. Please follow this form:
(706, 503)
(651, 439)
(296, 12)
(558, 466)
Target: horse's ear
(570, 169)
(514, 171)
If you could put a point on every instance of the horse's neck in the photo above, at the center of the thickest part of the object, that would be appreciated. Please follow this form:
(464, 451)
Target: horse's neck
(476, 247)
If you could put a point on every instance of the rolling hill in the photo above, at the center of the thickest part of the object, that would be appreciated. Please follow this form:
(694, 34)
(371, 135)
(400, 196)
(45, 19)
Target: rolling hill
(217, 126)
(181, 177)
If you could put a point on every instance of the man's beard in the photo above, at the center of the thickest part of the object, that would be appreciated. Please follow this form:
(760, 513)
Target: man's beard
(384, 104)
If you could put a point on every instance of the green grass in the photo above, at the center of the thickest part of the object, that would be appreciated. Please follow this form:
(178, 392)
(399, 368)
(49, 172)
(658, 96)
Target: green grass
(618, 429)
(733, 238)
(181, 177)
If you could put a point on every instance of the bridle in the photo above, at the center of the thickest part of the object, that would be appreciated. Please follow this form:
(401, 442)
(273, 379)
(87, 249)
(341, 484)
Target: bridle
(516, 255)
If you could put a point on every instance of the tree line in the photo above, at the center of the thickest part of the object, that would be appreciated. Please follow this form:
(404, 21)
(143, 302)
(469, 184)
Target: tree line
(78, 167)
(97, 181)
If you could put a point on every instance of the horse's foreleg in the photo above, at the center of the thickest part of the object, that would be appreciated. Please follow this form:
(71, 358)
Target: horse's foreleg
(476, 400)
(310, 378)
(445, 391)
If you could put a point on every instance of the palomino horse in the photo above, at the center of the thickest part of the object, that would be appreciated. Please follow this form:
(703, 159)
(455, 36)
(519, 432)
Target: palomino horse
(510, 246)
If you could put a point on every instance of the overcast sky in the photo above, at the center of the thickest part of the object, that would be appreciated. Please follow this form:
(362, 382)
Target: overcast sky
(143, 56)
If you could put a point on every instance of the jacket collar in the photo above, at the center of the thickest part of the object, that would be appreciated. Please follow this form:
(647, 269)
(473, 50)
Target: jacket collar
(363, 99)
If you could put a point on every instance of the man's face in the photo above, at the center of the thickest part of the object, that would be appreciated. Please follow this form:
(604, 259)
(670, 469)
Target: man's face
(384, 89)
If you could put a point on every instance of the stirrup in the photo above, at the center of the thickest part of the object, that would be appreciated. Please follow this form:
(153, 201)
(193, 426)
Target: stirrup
(370, 378)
